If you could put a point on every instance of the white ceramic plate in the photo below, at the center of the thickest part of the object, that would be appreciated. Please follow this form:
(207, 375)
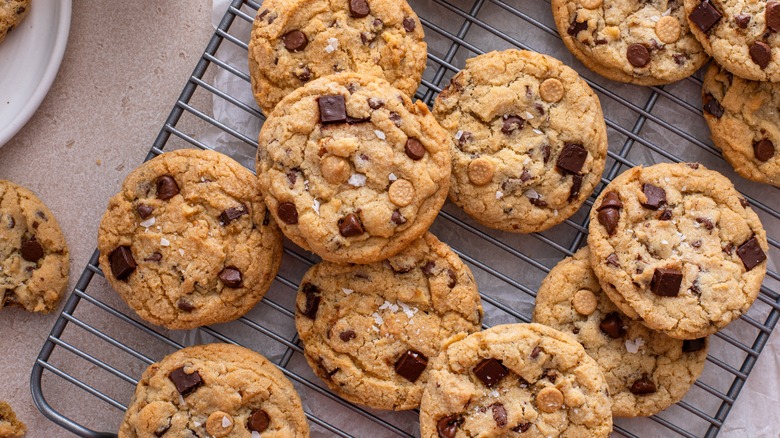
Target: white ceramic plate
(29, 59)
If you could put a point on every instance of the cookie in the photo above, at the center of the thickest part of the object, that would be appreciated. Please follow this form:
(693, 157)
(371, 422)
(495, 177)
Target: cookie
(744, 123)
(34, 262)
(352, 169)
(639, 42)
(529, 141)
(214, 390)
(740, 36)
(12, 12)
(10, 426)
(523, 378)
(188, 240)
(369, 331)
(675, 246)
(646, 371)
(296, 41)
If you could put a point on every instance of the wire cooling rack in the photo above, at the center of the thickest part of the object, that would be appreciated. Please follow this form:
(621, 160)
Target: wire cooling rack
(98, 348)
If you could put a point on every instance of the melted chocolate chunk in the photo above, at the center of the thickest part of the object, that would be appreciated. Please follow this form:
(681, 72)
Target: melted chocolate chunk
(414, 149)
(638, 55)
(537, 202)
(259, 421)
(772, 16)
(312, 303)
(712, 106)
(764, 149)
(576, 27)
(572, 158)
(448, 426)
(535, 352)
(512, 123)
(742, 20)
(465, 137)
(453, 278)
(643, 386)
(295, 41)
(665, 215)
(333, 108)
(522, 427)
(166, 187)
(751, 253)
(705, 16)
(395, 118)
(499, 414)
(666, 282)
(287, 213)
(185, 305)
(231, 277)
(409, 24)
(304, 75)
(350, 226)
(428, 268)
(609, 218)
(576, 185)
(185, 383)
(760, 53)
(144, 211)
(397, 218)
(347, 335)
(546, 153)
(490, 372)
(411, 365)
(155, 257)
(612, 259)
(656, 196)
(610, 200)
(692, 345)
(375, 103)
(612, 325)
(359, 8)
(233, 213)
(31, 250)
(122, 262)
(706, 222)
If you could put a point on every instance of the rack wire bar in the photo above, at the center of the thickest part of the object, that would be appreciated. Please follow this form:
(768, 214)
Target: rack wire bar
(637, 130)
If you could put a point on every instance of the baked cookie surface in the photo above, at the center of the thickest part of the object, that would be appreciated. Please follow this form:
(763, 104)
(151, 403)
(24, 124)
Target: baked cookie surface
(646, 371)
(744, 123)
(676, 246)
(10, 426)
(214, 390)
(369, 331)
(529, 140)
(639, 42)
(12, 12)
(352, 169)
(188, 240)
(523, 378)
(34, 262)
(296, 41)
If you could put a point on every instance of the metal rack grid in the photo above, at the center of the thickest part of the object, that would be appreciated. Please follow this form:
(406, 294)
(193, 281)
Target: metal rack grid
(640, 132)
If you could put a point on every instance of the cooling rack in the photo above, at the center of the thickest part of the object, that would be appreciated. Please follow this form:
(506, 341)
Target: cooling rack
(98, 347)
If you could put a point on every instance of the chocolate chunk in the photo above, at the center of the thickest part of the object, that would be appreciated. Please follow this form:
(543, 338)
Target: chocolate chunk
(511, 123)
(259, 421)
(638, 55)
(347, 335)
(185, 383)
(453, 278)
(764, 149)
(751, 253)
(772, 16)
(643, 386)
(499, 414)
(546, 152)
(414, 149)
(375, 103)
(144, 211)
(524, 177)
(665, 215)
(550, 375)
(410, 365)
(231, 277)
(712, 106)
(706, 222)
(666, 282)
(609, 217)
(287, 213)
(537, 202)
(156, 257)
(612, 325)
(522, 427)
(185, 305)
(122, 262)
(691, 345)
(576, 185)
(32, 251)
(465, 137)
(535, 352)
(448, 426)
(760, 53)
(378, 23)
(11, 222)
(397, 218)
(409, 24)
(705, 16)
(166, 187)
(428, 268)
(576, 27)
(729, 248)
(612, 259)
(744, 203)
(742, 20)
(312, 303)
(572, 158)
(490, 372)
(292, 176)
(656, 196)
(163, 429)
(295, 41)
(333, 109)
(696, 243)
(679, 58)
(233, 213)
(304, 74)
(359, 8)
(610, 200)
(350, 226)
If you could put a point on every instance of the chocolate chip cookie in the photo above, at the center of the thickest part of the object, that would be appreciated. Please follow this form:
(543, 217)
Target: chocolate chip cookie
(214, 390)
(529, 141)
(741, 36)
(10, 426)
(352, 169)
(515, 378)
(369, 331)
(188, 240)
(639, 42)
(12, 12)
(744, 123)
(646, 371)
(675, 246)
(296, 41)
(34, 261)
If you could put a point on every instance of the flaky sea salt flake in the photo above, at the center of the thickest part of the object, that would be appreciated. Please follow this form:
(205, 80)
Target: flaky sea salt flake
(333, 44)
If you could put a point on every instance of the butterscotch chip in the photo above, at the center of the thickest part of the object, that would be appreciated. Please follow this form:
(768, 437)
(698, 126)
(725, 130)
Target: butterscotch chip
(668, 29)
(591, 4)
(219, 424)
(549, 399)
(401, 193)
(480, 171)
(551, 90)
(335, 170)
(584, 302)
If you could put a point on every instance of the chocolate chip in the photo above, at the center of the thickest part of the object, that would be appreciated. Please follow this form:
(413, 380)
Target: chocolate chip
(397, 218)
(185, 383)
(692, 345)
(347, 335)
(550, 375)
(705, 16)
(287, 213)
(122, 262)
(666, 282)
(409, 24)
(378, 23)
(706, 222)
(696, 243)
(375, 103)
(163, 429)
(333, 109)
(185, 305)
(665, 215)
(679, 58)
(453, 278)
(156, 257)
(295, 41)
(490, 372)
(695, 287)
(166, 187)
(535, 352)
(612, 259)
(414, 149)
(231, 277)
(610, 200)
(546, 152)
(656, 196)
(143, 210)
(304, 74)
(643, 386)
(522, 427)
(292, 177)
(32, 251)
(742, 20)
(428, 268)
(744, 203)
(511, 123)
(576, 185)
(572, 158)
(411, 364)
(772, 16)
(350, 226)
(609, 217)
(760, 53)
(764, 149)
(537, 202)
(612, 325)
(395, 118)
(638, 55)
(751, 253)
(233, 213)
(576, 27)
(729, 248)
(259, 421)
(712, 106)
(448, 426)
(359, 8)
(499, 414)
(312, 303)
(465, 137)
